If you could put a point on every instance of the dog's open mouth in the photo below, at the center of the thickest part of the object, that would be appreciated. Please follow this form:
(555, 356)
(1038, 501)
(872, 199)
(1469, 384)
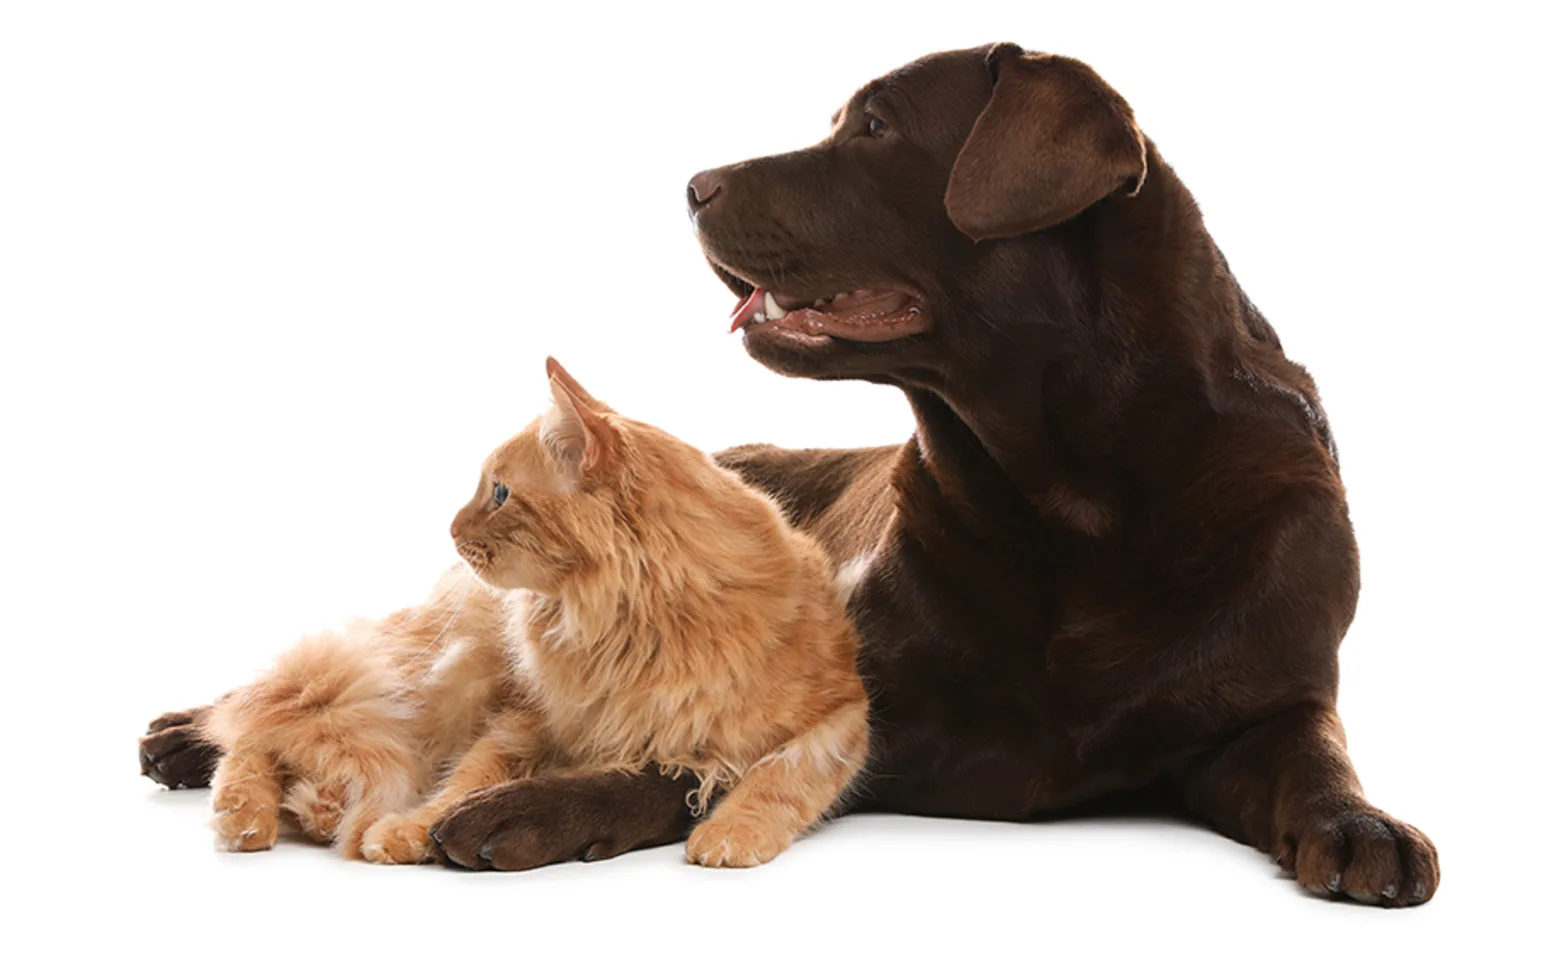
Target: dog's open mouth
(865, 315)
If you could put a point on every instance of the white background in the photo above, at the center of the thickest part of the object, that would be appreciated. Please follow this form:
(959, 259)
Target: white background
(274, 279)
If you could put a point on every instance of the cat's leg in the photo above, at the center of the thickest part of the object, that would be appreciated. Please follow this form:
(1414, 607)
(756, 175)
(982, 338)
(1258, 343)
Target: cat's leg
(317, 807)
(174, 753)
(512, 743)
(362, 814)
(351, 774)
(348, 792)
(339, 809)
(335, 715)
(785, 793)
(246, 798)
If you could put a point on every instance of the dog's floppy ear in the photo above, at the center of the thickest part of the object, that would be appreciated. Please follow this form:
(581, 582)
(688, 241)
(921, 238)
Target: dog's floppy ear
(1053, 140)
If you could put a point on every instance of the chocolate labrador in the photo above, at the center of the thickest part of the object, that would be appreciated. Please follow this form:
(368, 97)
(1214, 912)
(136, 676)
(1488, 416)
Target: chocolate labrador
(1115, 559)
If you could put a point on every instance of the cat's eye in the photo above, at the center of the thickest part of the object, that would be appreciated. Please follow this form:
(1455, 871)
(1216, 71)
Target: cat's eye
(501, 494)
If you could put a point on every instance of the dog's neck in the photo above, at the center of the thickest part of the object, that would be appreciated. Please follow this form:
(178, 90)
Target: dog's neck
(1133, 303)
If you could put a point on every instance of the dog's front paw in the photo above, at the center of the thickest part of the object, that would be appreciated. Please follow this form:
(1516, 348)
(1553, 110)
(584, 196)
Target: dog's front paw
(1365, 855)
(740, 843)
(396, 838)
(172, 752)
(529, 823)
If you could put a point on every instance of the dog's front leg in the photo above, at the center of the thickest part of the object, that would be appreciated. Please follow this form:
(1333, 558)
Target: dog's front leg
(1287, 788)
(541, 820)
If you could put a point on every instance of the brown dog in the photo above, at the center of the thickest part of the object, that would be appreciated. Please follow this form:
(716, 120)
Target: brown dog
(1116, 557)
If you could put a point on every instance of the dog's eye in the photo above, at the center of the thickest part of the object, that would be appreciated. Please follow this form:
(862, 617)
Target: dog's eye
(875, 126)
(501, 494)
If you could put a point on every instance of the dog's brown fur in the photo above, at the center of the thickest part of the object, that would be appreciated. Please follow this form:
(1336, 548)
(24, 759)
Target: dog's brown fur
(1116, 555)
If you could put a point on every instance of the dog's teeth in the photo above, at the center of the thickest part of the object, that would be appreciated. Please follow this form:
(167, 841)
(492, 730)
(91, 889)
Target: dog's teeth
(773, 310)
(757, 317)
(841, 295)
(820, 302)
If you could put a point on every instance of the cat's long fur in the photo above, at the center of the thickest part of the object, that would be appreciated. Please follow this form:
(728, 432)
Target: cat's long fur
(657, 611)
(350, 726)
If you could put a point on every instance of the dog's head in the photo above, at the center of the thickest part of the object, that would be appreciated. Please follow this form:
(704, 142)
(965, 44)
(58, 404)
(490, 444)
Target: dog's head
(896, 244)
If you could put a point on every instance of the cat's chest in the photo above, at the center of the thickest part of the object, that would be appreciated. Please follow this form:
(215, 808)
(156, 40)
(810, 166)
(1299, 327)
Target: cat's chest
(607, 697)
(604, 708)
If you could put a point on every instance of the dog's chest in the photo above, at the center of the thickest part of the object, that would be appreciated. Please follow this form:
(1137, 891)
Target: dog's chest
(942, 624)
(982, 653)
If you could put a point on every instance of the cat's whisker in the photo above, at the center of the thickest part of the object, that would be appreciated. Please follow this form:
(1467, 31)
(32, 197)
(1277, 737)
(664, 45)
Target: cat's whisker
(239, 780)
(472, 581)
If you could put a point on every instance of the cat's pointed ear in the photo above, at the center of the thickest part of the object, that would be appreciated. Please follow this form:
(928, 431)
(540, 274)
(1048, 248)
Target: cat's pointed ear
(558, 373)
(579, 432)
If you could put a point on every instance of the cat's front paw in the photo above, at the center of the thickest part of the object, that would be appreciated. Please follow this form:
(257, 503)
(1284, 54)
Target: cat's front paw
(245, 818)
(741, 843)
(317, 809)
(396, 838)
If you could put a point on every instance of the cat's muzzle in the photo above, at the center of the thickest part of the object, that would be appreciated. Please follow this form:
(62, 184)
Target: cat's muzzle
(476, 553)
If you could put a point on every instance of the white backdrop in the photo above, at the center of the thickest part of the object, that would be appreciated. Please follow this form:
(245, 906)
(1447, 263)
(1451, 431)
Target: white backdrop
(274, 278)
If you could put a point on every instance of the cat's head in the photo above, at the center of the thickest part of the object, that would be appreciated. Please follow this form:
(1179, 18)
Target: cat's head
(548, 500)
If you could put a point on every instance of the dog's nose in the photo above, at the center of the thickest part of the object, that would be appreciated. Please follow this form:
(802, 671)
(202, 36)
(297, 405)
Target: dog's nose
(703, 189)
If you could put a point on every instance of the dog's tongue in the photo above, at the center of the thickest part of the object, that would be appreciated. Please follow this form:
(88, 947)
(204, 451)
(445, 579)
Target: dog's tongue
(747, 307)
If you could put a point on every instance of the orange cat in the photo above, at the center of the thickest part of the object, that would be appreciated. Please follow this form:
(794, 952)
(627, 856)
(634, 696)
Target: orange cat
(657, 610)
(660, 612)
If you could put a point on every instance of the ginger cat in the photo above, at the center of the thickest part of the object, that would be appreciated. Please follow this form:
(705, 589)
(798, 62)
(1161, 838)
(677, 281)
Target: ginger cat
(657, 610)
